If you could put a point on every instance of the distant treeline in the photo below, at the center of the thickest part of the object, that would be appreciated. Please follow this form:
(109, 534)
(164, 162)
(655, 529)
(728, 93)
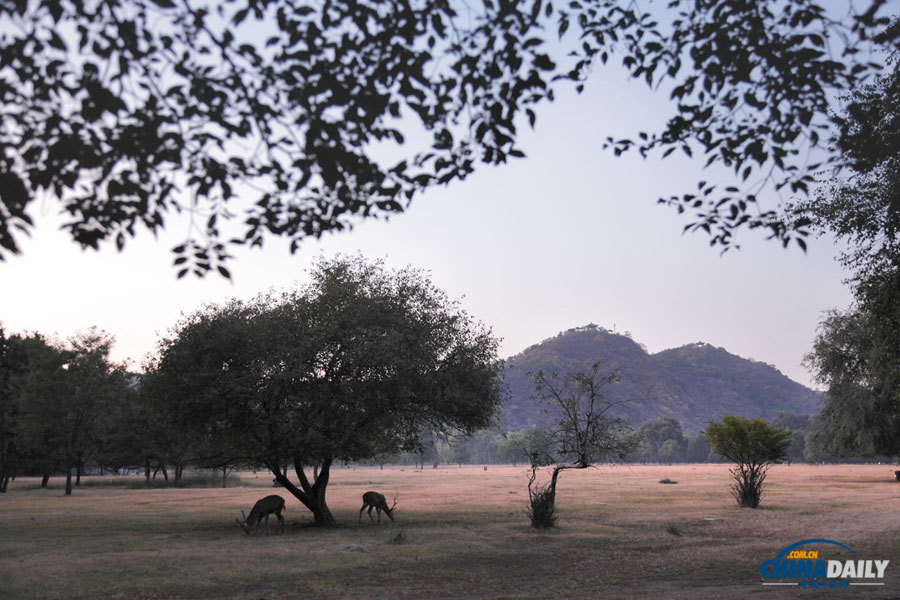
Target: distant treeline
(67, 408)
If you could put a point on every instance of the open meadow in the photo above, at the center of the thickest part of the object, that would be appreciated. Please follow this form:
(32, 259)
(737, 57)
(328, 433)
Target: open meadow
(459, 533)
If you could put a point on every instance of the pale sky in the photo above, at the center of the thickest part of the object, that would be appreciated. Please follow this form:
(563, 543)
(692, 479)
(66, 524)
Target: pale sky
(568, 236)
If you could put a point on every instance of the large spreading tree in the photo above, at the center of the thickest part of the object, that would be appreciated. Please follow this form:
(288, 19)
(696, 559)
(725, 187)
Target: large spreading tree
(356, 364)
(283, 118)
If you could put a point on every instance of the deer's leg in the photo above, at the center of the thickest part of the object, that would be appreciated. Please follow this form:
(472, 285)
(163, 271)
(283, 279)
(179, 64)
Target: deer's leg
(267, 524)
(378, 510)
(280, 520)
(360, 513)
(370, 514)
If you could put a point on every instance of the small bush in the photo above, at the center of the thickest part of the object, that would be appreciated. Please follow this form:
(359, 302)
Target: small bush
(542, 508)
(674, 529)
(667, 480)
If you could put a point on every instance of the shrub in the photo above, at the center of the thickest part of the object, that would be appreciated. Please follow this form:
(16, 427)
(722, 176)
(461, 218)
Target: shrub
(753, 446)
(542, 508)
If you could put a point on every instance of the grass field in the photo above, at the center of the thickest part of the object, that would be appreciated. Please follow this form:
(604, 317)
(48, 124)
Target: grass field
(459, 533)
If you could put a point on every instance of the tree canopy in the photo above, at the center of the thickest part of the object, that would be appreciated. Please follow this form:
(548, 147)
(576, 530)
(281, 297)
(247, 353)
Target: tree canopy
(856, 356)
(861, 202)
(753, 446)
(356, 364)
(856, 353)
(274, 118)
(61, 395)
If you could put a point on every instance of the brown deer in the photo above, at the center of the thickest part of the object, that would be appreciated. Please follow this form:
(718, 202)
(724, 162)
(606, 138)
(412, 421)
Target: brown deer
(376, 501)
(263, 508)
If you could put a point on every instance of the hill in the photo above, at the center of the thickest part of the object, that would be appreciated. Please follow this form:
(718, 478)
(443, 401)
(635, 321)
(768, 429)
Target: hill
(693, 383)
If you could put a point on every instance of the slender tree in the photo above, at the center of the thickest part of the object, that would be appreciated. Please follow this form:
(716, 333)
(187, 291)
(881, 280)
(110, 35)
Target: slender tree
(584, 433)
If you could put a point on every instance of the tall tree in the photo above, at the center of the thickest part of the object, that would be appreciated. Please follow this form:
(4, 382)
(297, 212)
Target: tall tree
(62, 395)
(356, 364)
(11, 362)
(130, 110)
(583, 435)
(857, 357)
(40, 392)
(856, 354)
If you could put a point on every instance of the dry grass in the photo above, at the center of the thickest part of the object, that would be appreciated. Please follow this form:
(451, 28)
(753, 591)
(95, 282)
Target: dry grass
(464, 534)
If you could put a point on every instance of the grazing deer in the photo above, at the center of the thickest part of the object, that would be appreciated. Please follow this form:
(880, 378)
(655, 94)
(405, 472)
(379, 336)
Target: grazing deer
(263, 508)
(376, 501)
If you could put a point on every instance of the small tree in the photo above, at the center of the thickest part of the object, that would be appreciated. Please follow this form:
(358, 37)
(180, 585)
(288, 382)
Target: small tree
(753, 446)
(584, 433)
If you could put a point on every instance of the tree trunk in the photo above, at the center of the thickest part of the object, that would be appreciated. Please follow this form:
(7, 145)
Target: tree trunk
(147, 470)
(179, 471)
(224, 475)
(68, 480)
(165, 472)
(311, 495)
(78, 474)
(45, 479)
(555, 477)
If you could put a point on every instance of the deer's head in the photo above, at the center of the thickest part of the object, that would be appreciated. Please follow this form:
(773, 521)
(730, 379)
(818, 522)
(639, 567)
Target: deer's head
(390, 510)
(245, 525)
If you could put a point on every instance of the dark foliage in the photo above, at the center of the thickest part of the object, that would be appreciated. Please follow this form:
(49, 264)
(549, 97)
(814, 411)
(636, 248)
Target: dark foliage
(291, 119)
(359, 363)
(541, 509)
(857, 352)
(861, 202)
(856, 355)
(130, 110)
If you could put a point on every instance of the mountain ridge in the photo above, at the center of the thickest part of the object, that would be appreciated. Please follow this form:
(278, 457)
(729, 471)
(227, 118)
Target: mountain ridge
(693, 383)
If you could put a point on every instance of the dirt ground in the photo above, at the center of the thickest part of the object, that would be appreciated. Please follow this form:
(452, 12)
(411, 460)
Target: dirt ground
(460, 532)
